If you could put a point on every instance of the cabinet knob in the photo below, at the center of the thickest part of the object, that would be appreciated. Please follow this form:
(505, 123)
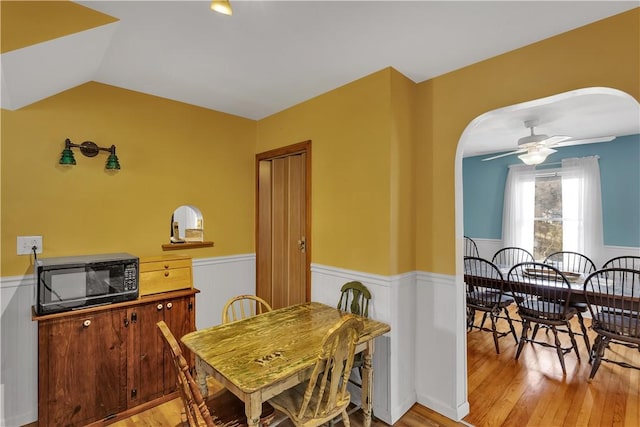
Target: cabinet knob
(86, 323)
(159, 306)
(166, 274)
(166, 266)
(169, 305)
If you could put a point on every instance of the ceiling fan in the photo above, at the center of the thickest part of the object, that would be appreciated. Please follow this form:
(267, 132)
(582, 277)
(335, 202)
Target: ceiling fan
(535, 148)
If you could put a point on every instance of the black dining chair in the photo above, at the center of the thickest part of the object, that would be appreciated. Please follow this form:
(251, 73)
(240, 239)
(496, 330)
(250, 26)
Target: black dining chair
(543, 293)
(510, 256)
(470, 247)
(626, 261)
(613, 298)
(485, 294)
(574, 262)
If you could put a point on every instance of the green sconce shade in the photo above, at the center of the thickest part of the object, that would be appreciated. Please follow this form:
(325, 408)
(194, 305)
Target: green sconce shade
(67, 157)
(112, 162)
(89, 149)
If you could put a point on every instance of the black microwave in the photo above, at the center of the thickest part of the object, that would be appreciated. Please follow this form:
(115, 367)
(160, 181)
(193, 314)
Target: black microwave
(75, 282)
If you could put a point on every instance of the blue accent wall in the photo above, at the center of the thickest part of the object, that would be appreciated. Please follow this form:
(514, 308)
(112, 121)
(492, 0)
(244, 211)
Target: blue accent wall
(484, 182)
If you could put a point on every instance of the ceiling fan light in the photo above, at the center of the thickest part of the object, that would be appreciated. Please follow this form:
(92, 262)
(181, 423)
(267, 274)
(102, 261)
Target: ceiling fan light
(535, 156)
(222, 6)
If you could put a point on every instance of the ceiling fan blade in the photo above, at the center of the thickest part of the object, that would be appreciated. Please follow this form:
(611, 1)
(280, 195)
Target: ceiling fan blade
(578, 141)
(554, 140)
(505, 154)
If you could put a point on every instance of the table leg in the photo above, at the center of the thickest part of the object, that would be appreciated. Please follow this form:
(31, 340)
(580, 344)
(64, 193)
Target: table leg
(253, 409)
(201, 377)
(367, 384)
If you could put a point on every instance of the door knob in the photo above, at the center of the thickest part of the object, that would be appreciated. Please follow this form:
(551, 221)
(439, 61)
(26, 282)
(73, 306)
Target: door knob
(302, 244)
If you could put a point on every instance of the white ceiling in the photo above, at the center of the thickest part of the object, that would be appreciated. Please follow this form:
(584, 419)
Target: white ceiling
(271, 55)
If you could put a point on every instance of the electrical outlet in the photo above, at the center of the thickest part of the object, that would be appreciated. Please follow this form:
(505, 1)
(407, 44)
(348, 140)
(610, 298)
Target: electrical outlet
(26, 244)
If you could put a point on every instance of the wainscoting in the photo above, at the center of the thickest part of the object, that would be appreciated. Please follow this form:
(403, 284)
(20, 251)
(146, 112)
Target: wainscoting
(421, 360)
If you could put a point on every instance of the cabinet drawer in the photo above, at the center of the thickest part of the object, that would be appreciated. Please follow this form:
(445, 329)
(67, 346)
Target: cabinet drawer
(167, 264)
(153, 282)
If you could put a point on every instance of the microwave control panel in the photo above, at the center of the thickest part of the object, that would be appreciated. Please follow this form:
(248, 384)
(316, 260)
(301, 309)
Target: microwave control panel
(131, 277)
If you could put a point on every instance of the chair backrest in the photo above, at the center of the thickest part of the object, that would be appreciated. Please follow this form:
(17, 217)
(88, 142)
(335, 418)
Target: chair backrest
(510, 256)
(470, 247)
(571, 262)
(243, 306)
(629, 261)
(327, 387)
(487, 277)
(190, 392)
(354, 298)
(541, 289)
(613, 296)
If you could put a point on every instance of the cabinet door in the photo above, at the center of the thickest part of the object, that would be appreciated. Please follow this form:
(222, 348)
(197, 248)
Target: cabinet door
(151, 371)
(146, 365)
(179, 315)
(82, 368)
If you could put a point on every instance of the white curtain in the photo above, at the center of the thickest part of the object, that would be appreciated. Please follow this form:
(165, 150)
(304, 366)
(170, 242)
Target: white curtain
(519, 207)
(582, 207)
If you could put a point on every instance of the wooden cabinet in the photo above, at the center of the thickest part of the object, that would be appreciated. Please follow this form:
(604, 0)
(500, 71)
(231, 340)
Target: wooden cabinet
(105, 363)
(164, 273)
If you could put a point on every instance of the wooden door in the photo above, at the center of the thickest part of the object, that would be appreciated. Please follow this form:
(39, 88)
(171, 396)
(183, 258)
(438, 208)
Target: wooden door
(82, 368)
(179, 315)
(283, 225)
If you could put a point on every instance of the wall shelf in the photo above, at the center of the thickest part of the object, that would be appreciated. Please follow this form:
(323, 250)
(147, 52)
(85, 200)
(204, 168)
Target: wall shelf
(186, 245)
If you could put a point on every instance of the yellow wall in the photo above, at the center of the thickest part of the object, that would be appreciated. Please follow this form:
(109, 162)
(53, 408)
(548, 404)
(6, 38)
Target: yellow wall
(171, 154)
(350, 133)
(605, 53)
(383, 158)
(25, 23)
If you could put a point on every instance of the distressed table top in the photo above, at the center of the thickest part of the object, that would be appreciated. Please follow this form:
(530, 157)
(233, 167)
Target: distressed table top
(270, 347)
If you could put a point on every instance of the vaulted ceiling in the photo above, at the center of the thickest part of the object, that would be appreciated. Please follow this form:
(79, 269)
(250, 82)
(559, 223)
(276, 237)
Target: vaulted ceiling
(269, 55)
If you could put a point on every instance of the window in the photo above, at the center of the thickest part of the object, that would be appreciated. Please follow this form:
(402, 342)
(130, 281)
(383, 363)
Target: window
(547, 220)
(547, 211)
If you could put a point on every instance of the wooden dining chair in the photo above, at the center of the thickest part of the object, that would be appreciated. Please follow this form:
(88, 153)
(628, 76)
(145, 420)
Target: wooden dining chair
(613, 297)
(486, 294)
(543, 294)
(510, 256)
(243, 306)
(627, 261)
(355, 298)
(221, 409)
(470, 247)
(325, 396)
(574, 262)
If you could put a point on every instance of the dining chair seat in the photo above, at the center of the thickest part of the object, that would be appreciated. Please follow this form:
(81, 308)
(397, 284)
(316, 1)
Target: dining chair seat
(547, 310)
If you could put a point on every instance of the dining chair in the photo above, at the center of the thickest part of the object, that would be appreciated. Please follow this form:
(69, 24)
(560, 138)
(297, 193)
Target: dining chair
(543, 293)
(613, 297)
(510, 256)
(243, 306)
(574, 262)
(221, 409)
(325, 396)
(470, 247)
(483, 296)
(627, 261)
(354, 298)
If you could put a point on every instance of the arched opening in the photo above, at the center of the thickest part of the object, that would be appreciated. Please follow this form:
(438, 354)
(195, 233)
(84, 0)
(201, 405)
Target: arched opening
(583, 113)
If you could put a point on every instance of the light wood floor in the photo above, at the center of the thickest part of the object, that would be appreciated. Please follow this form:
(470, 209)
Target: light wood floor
(505, 392)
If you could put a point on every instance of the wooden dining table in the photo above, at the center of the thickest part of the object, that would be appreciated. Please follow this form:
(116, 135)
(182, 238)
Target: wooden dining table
(259, 357)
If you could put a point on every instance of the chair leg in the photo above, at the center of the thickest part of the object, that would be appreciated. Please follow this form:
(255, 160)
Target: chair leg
(574, 344)
(597, 352)
(495, 332)
(523, 338)
(345, 419)
(583, 328)
(513, 330)
(559, 349)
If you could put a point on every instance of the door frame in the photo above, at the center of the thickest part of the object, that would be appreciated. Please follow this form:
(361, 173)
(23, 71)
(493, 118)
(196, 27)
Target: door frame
(298, 148)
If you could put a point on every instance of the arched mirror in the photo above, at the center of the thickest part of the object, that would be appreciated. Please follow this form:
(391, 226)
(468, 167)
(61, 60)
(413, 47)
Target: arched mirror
(186, 225)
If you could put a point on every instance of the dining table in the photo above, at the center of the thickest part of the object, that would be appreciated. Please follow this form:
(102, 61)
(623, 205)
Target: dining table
(261, 356)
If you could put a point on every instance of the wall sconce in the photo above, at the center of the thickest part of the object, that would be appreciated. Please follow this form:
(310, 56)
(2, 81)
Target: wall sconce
(222, 6)
(89, 149)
